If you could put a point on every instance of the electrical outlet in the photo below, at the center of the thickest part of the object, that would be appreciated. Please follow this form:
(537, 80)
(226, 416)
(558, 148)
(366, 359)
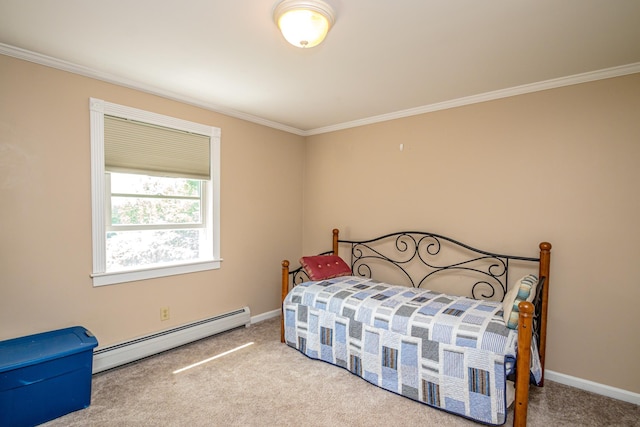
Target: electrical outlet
(164, 313)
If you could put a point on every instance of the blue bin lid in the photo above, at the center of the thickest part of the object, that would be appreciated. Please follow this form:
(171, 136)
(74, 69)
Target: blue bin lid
(25, 351)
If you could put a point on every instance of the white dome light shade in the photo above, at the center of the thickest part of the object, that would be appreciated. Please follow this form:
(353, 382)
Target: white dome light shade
(304, 23)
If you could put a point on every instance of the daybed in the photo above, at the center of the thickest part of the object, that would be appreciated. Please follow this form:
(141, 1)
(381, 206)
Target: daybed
(424, 337)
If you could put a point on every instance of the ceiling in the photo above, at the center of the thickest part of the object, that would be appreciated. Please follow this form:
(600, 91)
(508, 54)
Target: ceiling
(382, 58)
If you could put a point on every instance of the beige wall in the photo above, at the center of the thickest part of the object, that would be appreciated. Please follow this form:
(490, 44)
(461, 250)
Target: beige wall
(560, 165)
(45, 227)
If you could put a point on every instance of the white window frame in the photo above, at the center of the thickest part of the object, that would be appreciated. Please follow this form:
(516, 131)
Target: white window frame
(98, 108)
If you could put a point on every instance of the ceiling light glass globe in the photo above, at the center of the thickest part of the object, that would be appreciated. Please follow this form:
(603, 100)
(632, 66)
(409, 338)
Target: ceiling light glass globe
(303, 28)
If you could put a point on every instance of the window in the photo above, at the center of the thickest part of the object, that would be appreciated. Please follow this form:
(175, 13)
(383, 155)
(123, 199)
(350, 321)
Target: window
(153, 221)
(155, 194)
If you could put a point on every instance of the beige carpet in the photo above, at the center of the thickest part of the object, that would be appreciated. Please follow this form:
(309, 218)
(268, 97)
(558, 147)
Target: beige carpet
(270, 384)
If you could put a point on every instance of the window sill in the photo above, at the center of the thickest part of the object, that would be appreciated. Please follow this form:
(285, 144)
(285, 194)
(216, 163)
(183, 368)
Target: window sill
(102, 279)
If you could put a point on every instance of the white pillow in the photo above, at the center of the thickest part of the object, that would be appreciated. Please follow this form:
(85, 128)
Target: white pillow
(523, 290)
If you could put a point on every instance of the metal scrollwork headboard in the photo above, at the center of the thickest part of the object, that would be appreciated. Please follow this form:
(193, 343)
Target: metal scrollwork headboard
(418, 257)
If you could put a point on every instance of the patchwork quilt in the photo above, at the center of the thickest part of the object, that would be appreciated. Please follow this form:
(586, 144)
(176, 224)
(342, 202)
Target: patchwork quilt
(449, 352)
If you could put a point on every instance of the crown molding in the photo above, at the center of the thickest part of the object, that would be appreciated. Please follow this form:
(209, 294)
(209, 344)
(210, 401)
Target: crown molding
(488, 96)
(468, 100)
(59, 64)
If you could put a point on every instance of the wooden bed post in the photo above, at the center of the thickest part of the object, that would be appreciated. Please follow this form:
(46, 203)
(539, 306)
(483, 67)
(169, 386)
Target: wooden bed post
(523, 363)
(285, 291)
(335, 241)
(545, 259)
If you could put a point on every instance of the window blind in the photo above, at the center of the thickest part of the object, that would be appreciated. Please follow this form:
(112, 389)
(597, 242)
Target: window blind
(136, 147)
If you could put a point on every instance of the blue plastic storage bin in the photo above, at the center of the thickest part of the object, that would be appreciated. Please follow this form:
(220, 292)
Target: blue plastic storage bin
(45, 376)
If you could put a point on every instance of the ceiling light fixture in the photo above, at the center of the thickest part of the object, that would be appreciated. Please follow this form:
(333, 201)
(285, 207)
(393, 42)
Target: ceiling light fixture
(304, 23)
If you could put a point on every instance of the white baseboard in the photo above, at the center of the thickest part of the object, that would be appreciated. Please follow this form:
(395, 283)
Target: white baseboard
(266, 316)
(602, 389)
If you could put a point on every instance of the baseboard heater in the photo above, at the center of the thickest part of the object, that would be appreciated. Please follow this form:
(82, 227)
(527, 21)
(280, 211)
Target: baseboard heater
(130, 351)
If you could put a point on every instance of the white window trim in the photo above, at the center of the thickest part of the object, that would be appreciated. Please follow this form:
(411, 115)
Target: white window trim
(98, 108)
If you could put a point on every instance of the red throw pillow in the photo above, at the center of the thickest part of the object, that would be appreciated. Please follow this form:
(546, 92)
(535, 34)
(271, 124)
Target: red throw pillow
(321, 267)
